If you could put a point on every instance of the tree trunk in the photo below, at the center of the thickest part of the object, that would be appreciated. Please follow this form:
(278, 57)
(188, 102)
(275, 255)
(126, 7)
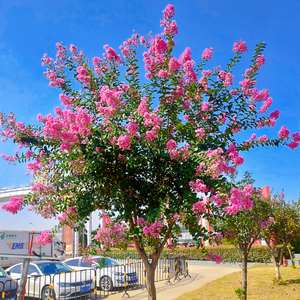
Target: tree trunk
(291, 256)
(150, 269)
(276, 265)
(244, 253)
(150, 282)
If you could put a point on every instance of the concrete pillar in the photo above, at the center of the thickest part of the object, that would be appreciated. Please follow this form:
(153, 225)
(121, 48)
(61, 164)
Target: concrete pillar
(76, 242)
(89, 231)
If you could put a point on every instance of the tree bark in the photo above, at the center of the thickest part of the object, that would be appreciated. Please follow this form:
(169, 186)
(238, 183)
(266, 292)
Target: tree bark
(276, 265)
(244, 252)
(150, 269)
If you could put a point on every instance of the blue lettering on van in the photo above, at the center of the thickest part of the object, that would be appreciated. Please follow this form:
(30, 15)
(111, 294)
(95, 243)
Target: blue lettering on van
(17, 246)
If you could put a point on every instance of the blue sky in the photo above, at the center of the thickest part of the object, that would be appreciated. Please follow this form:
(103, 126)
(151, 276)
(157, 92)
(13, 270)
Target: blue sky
(28, 29)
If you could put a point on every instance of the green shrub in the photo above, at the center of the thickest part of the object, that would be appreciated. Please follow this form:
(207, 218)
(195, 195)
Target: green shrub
(258, 254)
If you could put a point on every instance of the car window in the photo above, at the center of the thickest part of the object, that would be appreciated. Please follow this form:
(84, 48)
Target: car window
(32, 269)
(16, 269)
(109, 262)
(84, 263)
(2, 273)
(72, 262)
(54, 268)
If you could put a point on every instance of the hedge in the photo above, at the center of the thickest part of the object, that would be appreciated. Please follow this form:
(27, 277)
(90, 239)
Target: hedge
(258, 254)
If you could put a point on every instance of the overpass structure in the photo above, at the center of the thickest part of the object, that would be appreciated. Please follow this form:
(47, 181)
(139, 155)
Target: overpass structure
(7, 193)
(24, 190)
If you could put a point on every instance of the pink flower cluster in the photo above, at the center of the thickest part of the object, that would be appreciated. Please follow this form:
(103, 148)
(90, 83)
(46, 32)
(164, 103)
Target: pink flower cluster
(283, 132)
(110, 101)
(14, 206)
(43, 189)
(44, 238)
(214, 257)
(153, 230)
(207, 53)
(69, 127)
(226, 77)
(54, 80)
(239, 199)
(237, 160)
(240, 46)
(198, 186)
(112, 235)
(90, 260)
(199, 208)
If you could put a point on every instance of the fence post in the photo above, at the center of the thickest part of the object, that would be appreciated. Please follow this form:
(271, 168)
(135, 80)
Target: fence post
(145, 279)
(125, 284)
(168, 274)
(176, 269)
(187, 269)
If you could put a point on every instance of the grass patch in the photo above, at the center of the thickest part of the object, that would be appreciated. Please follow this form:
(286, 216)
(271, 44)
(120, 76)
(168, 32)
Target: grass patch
(260, 285)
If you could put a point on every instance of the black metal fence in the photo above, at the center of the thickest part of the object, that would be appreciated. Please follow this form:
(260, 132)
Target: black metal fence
(96, 283)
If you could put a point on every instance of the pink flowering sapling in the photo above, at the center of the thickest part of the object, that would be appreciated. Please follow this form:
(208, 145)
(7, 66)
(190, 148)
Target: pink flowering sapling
(117, 142)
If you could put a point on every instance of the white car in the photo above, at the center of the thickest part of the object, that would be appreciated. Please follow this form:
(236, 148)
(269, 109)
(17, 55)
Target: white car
(108, 277)
(42, 275)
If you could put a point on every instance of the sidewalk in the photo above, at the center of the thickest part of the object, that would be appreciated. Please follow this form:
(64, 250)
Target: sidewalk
(199, 276)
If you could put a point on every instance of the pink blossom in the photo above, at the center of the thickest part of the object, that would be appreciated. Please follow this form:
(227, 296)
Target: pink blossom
(240, 46)
(151, 136)
(198, 186)
(207, 53)
(131, 129)
(174, 65)
(171, 145)
(124, 142)
(274, 114)
(200, 133)
(14, 205)
(163, 74)
(214, 257)
(44, 238)
(293, 145)
(169, 12)
(205, 106)
(271, 219)
(199, 208)
(174, 154)
(143, 108)
(283, 132)
(262, 138)
(185, 56)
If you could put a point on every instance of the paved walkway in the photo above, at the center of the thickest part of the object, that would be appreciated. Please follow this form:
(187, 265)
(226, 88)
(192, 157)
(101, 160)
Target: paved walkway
(199, 276)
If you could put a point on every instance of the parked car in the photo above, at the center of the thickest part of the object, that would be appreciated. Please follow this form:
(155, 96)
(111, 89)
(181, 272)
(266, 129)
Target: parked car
(65, 282)
(108, 277)
(8, 286)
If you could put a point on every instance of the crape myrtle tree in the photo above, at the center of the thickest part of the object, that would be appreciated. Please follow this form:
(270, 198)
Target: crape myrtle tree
(143, 148)
(283, 228)
(244, 228)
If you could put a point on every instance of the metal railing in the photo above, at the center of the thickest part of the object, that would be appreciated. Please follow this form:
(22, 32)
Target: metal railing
(97, 283)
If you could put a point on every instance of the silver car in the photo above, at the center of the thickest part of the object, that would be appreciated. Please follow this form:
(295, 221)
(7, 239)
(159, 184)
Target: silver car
(54, 279)
(110, 276)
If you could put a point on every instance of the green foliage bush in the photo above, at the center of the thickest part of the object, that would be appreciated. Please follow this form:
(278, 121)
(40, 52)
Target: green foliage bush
(258, 254)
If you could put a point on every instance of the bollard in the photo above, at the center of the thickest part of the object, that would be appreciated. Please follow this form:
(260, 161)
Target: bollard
(125, 284)
(168, 274)
(145, 279)
(187, 270)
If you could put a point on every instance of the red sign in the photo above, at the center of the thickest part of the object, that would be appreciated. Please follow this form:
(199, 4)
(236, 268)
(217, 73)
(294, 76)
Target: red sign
(68, 239)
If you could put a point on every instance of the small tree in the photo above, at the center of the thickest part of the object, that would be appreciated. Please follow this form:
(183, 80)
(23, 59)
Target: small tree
(283, 228)
(143, 150)
(244, 228)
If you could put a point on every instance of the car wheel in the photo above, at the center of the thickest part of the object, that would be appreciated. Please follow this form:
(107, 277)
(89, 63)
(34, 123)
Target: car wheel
(46, 293)
(106, 283)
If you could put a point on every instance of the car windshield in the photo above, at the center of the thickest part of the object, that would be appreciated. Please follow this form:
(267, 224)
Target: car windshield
(108, 262)
(53, 268)
(2, 273)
